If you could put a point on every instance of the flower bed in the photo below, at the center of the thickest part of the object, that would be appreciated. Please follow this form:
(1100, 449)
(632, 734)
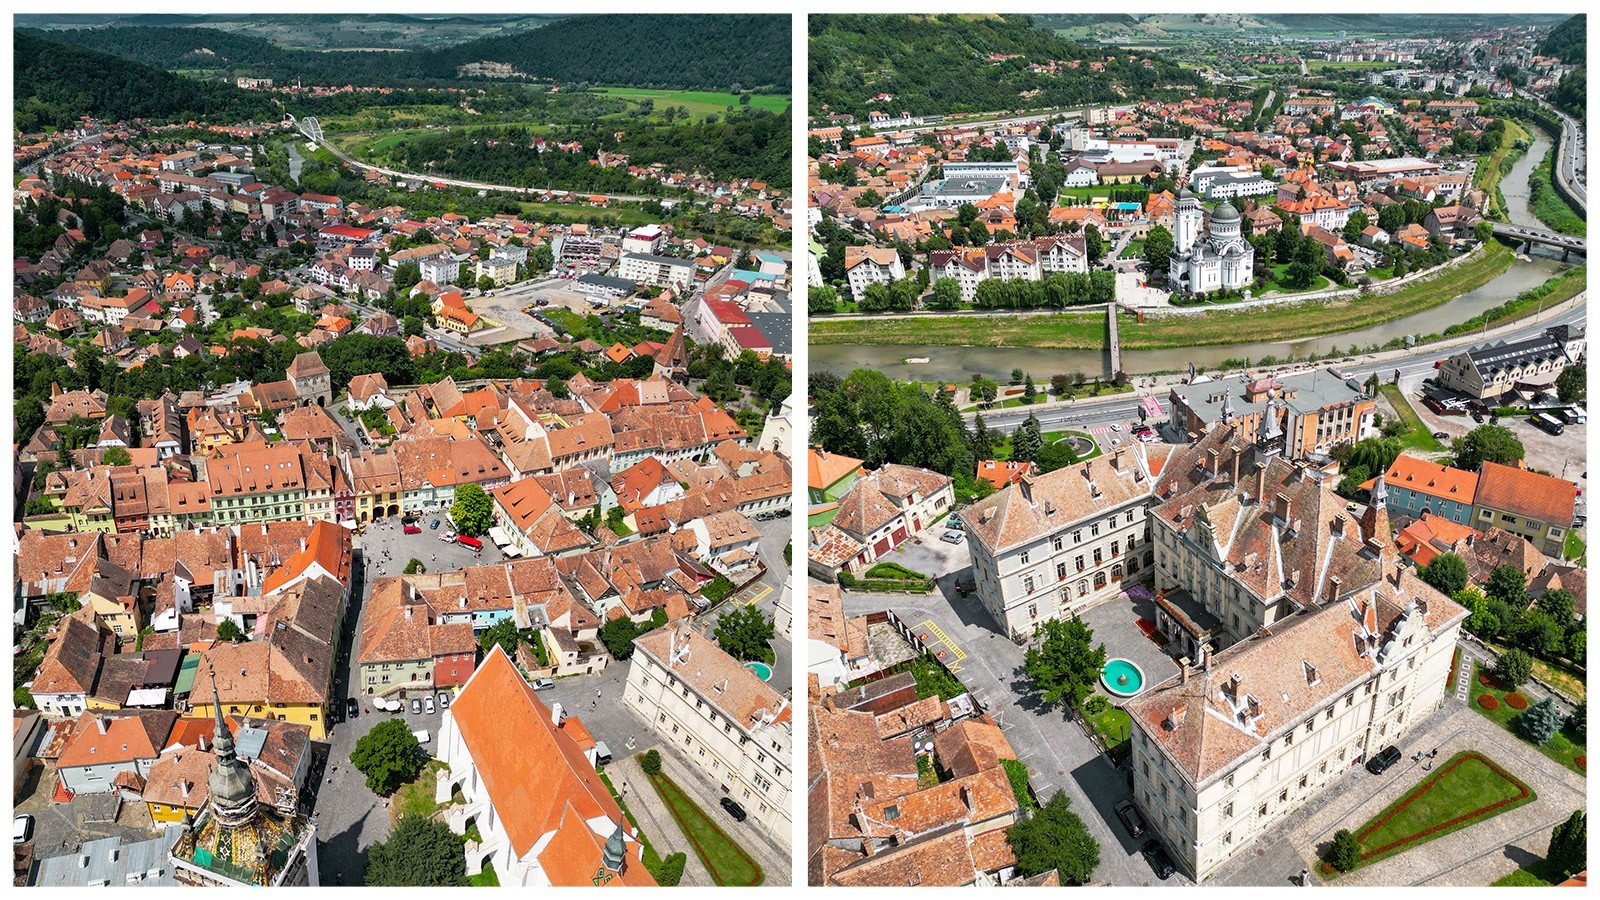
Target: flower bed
(1467, 789)
(1516, 701)
(1582, 761)
(1487, 701)
(1486, 678)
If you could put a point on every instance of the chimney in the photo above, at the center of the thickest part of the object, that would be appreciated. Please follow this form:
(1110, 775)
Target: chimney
(1205, 657)
(408, 613)
(102, 723)
(1183, 670)
(1283, 508)
(183, 788)
(1235, 469)
(1261, 479)
(1212, 464)
(558, 713)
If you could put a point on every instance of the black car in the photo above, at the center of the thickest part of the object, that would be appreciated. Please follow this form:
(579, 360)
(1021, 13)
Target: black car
(1130, 817)
(1156, 856)
(351, 708)
(733, 808)
(1385, 758)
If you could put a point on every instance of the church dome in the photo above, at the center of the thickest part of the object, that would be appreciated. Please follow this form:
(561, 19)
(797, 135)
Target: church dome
(1225, 213)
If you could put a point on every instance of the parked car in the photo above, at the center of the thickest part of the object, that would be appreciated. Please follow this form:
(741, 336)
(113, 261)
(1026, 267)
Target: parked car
(1385, 758)
(952, 537)
(1156, 855)
(351, 708)
(733, 808)
(444, 699)
(434, 525)
(449, 537)
(1441, 436)
(1131, 820)
(427, 704)
(416, 707)
(412, 529)
(22, 829)
(543, 684)
(469, 541)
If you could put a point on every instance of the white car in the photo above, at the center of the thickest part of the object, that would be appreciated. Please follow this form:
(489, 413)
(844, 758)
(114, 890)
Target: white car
(427, 705)
(1115, 426)
(448, 537)
(22, 829)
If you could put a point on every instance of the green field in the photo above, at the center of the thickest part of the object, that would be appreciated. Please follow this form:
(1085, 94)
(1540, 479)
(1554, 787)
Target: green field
(698, 103)
(1564, 747)
(579, 213)
(1418, 437)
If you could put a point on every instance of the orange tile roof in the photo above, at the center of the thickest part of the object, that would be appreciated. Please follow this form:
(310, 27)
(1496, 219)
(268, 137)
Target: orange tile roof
(824, 468)
(328, 545)
(1432, 479)
(1543, 498)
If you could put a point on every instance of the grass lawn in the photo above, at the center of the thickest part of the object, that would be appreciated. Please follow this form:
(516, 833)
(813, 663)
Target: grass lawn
(1087, 331)
(1418, 437)
(1574, 547)
(1535, 874)
(416, 798)
(486, 878)
(1114, 726)
(1463, 791)
(698, 103)
(894, 571)
(1002, 446)
(575, 212)
(723, 858)
(1564, 747)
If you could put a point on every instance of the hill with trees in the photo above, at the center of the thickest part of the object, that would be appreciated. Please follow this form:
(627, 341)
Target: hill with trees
(941, 64)
(672, 51)
(1567, 41)
(57, 83)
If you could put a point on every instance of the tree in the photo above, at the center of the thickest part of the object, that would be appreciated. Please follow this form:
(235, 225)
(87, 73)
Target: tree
(1492, 443)
(650, 761)
(1027, 440)
(118, 456)
(1540, 722)
(229, 630)
(1055, 838)
(745, 633)
(1569, 849)
(473, 511)
(822, 299)
(388, 755)
(1030, 393)
(946, 293)
(414, 567)
(1559, 605)
(1064, 662)
(1094, 244)
(1158, 249)
(418, 853)
(1447, 573)
(502, 633)
(485, 284)
(618, 635)
(1570, 387)
(1508, 585)
(1345, 854)
(1513, 669)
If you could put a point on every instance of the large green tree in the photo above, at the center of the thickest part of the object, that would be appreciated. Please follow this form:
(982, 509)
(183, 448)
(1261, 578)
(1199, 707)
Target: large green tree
(1491, 443)
(1055, 838)
(388, 755)
(473, 510)
(1540, 722)
(418, 853)
(1064, 661)
(1513, 669)
(1569, 848)
(745, 633)
(1447, 573)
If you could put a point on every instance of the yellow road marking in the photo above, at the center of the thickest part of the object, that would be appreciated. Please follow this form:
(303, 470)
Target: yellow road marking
(959, 655)
(757, 598)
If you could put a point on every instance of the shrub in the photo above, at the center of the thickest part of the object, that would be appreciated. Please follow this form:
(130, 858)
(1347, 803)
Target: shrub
(1487, 701)
(1345, 853)
(1516, 701)
(1095, 705)
(1513, 669)
(650, 762)
(670, 872)
(1540, 722)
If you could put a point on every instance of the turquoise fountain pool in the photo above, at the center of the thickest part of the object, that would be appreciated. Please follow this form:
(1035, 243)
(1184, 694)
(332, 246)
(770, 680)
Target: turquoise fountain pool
(762, 670)
(1122, 677)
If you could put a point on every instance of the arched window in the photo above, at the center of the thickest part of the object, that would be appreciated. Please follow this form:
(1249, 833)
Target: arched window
(1099, 579)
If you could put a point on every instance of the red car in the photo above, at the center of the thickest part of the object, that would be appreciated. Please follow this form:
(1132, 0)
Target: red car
(413, 529)
(472, 542)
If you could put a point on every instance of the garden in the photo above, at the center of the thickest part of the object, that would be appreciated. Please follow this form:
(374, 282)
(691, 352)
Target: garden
(727, 862)
(1508, 709)
(1466, 789)
(1112, 724)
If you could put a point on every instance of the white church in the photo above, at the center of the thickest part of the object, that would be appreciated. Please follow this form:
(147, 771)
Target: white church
(1220, 259)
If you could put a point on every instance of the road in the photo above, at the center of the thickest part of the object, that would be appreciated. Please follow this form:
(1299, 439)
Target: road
(1004, 121)
(1571, 171)
(457, 182)
(1125, 408)
(33, 167)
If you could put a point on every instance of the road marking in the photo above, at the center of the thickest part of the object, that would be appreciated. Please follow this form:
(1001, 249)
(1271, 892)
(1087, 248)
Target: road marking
(765, 590)
(959, 655)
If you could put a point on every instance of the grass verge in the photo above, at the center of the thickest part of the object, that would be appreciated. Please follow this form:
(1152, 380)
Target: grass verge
(725, 860)
(1418, 437)
(1466, 789)
(1087, 331)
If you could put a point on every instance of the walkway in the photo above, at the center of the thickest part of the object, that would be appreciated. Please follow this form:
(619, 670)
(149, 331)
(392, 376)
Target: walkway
(659, 828)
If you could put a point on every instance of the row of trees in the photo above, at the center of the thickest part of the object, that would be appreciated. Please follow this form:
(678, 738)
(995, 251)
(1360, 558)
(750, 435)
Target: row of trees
(1503, 611)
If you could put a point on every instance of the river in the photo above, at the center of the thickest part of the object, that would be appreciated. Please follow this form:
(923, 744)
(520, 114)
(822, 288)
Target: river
(296, 161)
(959, 363)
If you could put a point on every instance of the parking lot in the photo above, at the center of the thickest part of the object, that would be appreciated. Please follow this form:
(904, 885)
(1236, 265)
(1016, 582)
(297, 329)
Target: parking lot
(387, 548)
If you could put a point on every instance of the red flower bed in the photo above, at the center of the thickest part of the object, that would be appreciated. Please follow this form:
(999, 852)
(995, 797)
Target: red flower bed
(1516, 701)
(1485, 678)
(1583, 762)
(1522, 794)
(1487, 701)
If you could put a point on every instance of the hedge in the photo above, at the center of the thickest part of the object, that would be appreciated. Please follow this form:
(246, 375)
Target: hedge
(886, 586)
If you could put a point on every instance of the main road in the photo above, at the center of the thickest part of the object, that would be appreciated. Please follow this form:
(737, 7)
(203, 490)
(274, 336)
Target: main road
(1125, 408)
(314, 134)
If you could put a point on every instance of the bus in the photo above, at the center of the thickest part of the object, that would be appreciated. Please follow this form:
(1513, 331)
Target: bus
(1547, 423)
(472, 542)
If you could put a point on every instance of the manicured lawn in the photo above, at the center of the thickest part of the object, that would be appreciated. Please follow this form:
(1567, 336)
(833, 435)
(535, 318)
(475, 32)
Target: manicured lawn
(1539, 873)
(894, 571)
(1418, 437)
(1114, 726)
(1461, 792)
(1564, 747)
(1087, 331)
(1573, 548)
(486, 878)
(723, 858)
(575, 212)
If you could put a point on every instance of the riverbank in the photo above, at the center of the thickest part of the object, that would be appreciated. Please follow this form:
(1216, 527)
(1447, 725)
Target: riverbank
(1548, 204)
(1087, 331)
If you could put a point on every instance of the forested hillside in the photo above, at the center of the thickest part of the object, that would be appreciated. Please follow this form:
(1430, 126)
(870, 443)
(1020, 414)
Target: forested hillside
(678, 51)
(960, 63)
(57, 83)
(1567, 42)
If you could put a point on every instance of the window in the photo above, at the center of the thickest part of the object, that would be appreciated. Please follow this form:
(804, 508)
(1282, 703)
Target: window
(1097, 556)
(1023, 558)
(1303, 782)
(1099, 579)
(1229, 781)
(1027, 584)
(1094, 529)
(1288, 740)
(1061, 571)
(1227, 810)
(1262, 811)
(1079, 562)
(1077, 536)
(1057, 542)
(1129, 518)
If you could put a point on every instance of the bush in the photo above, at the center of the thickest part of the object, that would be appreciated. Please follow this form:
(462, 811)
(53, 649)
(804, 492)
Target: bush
(1095, 705)
(1513, 669)
(1487, 701)
(1540, 723)
(1017, 774)
(1345, 853)
(1516, 701)
(650, 762)
(670, 872)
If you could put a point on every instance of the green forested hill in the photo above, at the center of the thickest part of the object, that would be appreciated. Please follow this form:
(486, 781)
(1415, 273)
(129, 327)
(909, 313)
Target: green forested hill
(57, 83)
(677, 51)
(1567, 42)
(944, 64)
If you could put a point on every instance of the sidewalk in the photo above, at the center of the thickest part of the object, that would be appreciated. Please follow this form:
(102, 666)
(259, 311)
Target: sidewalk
(773, 860)
(654, 820)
